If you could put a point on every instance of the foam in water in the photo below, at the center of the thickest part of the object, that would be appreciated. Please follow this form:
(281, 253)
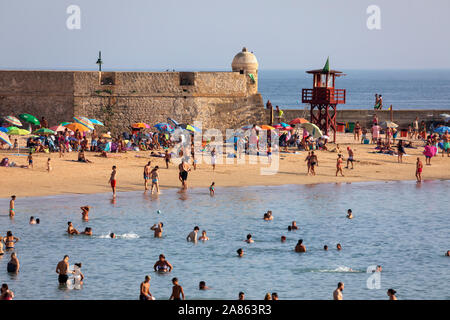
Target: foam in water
(120, 236)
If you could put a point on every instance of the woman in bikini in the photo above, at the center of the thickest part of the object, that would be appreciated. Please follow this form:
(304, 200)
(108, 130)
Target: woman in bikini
(339, 165)
(10, 240)
(162, 265)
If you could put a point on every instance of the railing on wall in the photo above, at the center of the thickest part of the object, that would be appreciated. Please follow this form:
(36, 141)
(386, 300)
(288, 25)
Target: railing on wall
(323, 96)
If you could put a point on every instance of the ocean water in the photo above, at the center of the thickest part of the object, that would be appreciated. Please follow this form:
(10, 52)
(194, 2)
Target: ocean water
(402, 226)
(404, 89)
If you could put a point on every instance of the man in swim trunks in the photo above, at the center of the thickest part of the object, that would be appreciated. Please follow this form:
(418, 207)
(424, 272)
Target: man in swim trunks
(167, 158)
(145, 289)
(350, 157)
(113, 181)
(419, 168)
(162, 265)
(192, 236)
(158, 229)
(85, 213)
(337, 294)
(177, 290)
(12, 207)
(183, 175)
(147, 174)
(155, 182)
(62, 268)
(71, 230)
(313, 161)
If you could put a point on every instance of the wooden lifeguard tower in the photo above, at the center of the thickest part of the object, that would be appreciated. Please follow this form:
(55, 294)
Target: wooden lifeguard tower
(324, 98)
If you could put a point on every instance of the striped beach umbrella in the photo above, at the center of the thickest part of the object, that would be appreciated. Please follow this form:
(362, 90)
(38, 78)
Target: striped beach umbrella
(95, 121)
(13, 121)
(4, 137)
(85, 122)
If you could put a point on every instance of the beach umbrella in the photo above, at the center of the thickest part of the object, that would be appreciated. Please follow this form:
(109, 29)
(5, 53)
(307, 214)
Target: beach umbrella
(4, 137)
(43, 131)
(13, 120)
(85, 122)
(60, 129)
(250, 126)
(278, 126)
(140, 125)
(175, 123)
(284, 125)
(63, 123)
(298, 121)
(312, 129)
(74, 126)
(162, 126)
(29, 118)
(3, 129)
(190, 127)
(442, 130)
(267, 127)
(388, 124)
(95, 121)
(287, 128)
(17, 132)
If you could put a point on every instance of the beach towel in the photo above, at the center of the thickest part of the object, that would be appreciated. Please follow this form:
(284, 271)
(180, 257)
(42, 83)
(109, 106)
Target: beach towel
(430, 151)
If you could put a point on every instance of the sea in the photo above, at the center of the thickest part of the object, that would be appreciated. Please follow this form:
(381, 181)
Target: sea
(403, 89)
(402, 226)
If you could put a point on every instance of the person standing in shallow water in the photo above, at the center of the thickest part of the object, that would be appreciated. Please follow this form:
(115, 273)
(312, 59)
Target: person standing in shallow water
(391, 294)
(146, 175)
(177, 290)
(337, 294)
(12, 207)
(300, 247)
(62, 268)
(145, 290)
(113, 181)
(419, 168)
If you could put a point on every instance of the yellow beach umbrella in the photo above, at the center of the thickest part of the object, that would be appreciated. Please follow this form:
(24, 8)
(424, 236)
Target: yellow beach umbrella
(77, 126)
(267, 127)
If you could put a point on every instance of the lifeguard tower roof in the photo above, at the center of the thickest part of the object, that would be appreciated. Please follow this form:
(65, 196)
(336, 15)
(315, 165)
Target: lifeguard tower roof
(322, 71)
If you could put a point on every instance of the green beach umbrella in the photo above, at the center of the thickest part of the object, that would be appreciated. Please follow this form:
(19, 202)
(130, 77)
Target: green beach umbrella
(326, 67)
(29, 118)
(17, 132)
(44, 131)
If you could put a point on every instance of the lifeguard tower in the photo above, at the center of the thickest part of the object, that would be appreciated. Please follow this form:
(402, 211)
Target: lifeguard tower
(324, 98)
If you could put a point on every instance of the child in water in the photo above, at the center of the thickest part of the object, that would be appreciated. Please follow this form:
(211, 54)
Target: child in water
(211, 189)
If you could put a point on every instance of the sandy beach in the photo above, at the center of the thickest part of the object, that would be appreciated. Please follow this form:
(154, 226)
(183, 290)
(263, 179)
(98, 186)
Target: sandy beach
(71, 177)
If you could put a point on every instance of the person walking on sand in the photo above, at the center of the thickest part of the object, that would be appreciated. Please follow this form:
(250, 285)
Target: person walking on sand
(184, 168)
(313, 162)
(146, 175)
(419, 168)
(62, 268)
(145, 290)
(350, 157)
(49, 165)
(339, 165)
(337, 294)
(30, 160)
(113, 181)
(357, 131)
(400, 151)
(177, 290)
(308, 162)
(155, 179)
(12, 211)
(167, 158)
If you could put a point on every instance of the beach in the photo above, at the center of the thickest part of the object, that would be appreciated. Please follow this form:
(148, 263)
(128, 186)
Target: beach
(71, 177)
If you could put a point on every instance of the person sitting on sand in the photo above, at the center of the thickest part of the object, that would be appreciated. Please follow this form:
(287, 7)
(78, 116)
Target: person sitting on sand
(349, 214)
(70, 229)
(82, 158)
(268, 216)
(300, 247)
(162, 265)
(249, 239)
(158, 229)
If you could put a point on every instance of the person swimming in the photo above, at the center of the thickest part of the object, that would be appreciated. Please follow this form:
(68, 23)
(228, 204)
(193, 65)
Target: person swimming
(249, 239)
(300, 247)
(283, 239)
(349, 214)
(391, 294)
(87, 231)
(338, 247)
(158, 229)
(325, 247)
(268, 216)
(203, 237)
(85, 212)
(32, 220)
(112, 235)
(71, 230)
(294, 225)
(240, 252)
(202, 286)
(162, 265)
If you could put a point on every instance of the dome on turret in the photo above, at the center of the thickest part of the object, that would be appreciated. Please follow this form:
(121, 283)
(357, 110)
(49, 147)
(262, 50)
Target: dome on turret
(244, 61)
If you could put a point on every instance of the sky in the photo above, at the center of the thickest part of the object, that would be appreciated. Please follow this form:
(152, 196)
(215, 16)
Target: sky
(206, 34)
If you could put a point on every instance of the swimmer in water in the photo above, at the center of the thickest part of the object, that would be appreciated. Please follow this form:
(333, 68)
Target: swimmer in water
(241, 296)
(274, 296)
(204, 237)
(283, 239)
(192, 236)
(337, 294)
(85, 212)
(61, 269)
(325, 247)
(294, 226)
(391, 293)
(12, 207)
(158, 229)
(378, 269)
(177, 290)
(71, 230)
(87, 231)
(300, 247)
(349, 214)
(211, 189)
(38, 221)
(78, 276)
(448, 253)
(202, 286)
(339, 247)
(162, 265)
(267, 296)
(13, 265)
(112, 235)
(249, 239)
(268, 216)
(145, 290)
(289, 228)
(10, 240)
(240, 252)
(32, 220)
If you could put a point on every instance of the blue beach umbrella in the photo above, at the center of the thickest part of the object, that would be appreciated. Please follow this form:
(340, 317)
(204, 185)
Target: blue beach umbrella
(3, 129)
(162, 126)
(95, 121)
(442, 130)
(175, 123)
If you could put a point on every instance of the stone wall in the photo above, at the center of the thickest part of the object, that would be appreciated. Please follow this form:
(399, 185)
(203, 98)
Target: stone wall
(401, 117)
